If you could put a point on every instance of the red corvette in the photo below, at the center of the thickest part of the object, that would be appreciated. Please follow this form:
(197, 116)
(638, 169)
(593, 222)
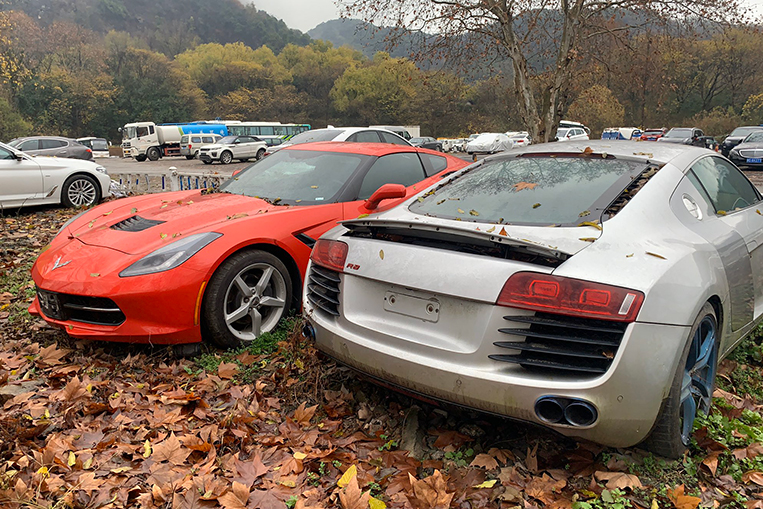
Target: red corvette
(225, 265)
(653, 134)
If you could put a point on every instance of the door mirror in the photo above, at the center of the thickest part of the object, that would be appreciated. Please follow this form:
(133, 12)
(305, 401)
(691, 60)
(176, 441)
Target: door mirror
(385, 192)
(237, 142)
(18, 156)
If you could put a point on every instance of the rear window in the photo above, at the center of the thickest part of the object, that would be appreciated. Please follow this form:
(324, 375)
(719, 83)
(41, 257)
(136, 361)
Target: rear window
(538, 190)
(682, 132)
(100, 144)
(318, 135)
(184, 140)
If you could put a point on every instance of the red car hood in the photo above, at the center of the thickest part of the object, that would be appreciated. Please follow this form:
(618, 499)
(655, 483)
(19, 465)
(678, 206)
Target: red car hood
(113, 225)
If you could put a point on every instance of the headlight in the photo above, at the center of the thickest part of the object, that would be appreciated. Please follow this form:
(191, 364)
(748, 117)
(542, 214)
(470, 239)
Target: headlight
(171, 255)
(70, 221)
(101, 169)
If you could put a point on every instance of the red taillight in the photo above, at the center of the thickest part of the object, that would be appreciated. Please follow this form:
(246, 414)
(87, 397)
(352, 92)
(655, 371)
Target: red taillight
(330, 254)
(575, 297)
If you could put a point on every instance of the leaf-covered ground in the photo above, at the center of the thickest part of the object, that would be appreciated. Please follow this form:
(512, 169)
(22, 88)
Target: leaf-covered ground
(86, 424)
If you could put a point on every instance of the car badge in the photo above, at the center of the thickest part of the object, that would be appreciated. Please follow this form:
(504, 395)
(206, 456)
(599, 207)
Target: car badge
(57, 264)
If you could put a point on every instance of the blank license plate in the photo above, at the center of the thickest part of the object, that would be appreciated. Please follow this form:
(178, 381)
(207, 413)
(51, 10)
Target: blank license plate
(424, 309)
(755, 160)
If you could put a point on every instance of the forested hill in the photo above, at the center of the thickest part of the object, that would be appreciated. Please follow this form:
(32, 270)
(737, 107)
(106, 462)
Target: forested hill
(169, 26)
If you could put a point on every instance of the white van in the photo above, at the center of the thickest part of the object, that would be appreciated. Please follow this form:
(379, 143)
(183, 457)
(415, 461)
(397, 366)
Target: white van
(191, 143)
(99, 146)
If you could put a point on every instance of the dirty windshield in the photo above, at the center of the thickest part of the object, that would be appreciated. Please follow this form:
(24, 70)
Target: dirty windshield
(538, 190)
(301, 177)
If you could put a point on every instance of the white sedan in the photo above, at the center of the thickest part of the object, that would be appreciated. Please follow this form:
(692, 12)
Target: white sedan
(27, 180)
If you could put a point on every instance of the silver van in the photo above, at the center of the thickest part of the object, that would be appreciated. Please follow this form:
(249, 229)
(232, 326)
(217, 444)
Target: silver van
(191, 143)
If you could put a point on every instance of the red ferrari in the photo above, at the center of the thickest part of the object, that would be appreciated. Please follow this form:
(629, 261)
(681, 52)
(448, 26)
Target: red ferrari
(225, 265)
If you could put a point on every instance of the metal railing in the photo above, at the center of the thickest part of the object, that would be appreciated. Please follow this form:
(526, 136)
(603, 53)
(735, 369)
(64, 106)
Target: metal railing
(171, 180)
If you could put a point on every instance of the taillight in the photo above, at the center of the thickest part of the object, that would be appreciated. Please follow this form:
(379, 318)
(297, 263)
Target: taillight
(575, 297)
(330, 254)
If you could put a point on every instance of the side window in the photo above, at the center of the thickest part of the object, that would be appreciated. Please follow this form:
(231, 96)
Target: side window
(391, 138)
(46, 144)
(195, 139)
(403, 169)
(727, 188)
(365, 137)
(207, 139)
(30, 145)
(151, 129)
(142, 131)
(436, 163)
(6, 154)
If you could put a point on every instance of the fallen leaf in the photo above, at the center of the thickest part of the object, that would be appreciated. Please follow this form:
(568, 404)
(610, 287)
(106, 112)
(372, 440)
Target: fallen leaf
(163, 235)
(536, 205)
(381, 254)
(95, 274)
(491, 229)
(656, 255)
(588, 151)
(352, 498)
(133, 210)
(375, 503)
(588, 239)
(484, 461)
(431, 492)
(682, 501)
(618, 480)
(519, 186)
(753, 476)
(348, 475)
(227, 370)
(486, 484)
(460, 211)
(591, 223)
(108, 213)
(170, 450)
(474, 212)
(361, 216)
(303, 415)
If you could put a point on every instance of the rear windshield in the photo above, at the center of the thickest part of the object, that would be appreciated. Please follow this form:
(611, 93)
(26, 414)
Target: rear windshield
(319, 135)
(538, 190)
(100, 144)
(683, 132)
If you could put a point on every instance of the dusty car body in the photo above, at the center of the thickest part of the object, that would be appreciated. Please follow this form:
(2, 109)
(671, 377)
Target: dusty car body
(489, 143)
(590, 288)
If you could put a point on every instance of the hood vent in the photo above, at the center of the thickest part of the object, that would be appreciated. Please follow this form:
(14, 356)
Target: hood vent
(135, 224)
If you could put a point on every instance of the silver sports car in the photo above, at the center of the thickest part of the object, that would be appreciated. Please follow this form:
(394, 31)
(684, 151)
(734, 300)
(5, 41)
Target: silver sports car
(590, 287)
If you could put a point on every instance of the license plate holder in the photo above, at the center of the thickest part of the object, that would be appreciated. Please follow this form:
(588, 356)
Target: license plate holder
(755, 160)
(415, 307)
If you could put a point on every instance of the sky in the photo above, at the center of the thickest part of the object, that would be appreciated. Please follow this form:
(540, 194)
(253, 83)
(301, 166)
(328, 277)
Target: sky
(300, 14)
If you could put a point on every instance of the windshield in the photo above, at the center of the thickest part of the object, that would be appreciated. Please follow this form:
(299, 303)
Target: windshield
(755, 137)
(128, 133)
(318, 135)
(538, 190)
(304, 177)
(417, 140)
(680, 132)
(227, 140)
(15, 143)
(99, 144)
(561, 133)
(741, 132)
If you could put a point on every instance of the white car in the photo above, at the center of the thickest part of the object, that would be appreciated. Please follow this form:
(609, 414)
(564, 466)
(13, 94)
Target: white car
(520, 139)
(27, 180)
(357, 134)
(99, 146)
(489, 143)
(228, 148)
(571, 133)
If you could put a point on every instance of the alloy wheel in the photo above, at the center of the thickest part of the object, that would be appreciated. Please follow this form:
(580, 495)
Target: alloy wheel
(254, 301)
(81, 192)
(699, 376)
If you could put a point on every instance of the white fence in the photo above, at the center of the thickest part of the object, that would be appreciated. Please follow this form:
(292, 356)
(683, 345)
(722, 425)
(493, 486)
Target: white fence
(171, 180)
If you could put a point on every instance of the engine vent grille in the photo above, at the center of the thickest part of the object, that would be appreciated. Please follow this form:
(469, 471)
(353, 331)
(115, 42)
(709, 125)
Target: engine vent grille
(323, 289)
(135, 224)
(562, 343)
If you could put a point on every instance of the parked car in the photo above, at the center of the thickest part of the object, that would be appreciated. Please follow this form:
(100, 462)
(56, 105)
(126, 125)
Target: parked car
(749, 153)
(190, 144)
(571, 133)
(98, 146)
(488, 143)
(570, 124)
(397, 129)
(427, 142)
(228, 263)
(736, 137)
(27, 180)
(653, 134)
(228, 148)
(54, 146)
(608, 326)
(353, 134)
(686, 135)
(520, 139)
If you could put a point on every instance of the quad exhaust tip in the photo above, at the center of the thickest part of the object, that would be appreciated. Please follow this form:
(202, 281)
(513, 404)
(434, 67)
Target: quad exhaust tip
(566, 411)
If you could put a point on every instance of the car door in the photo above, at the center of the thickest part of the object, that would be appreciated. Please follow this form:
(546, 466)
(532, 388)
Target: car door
(31, 147)
(737, 205)
(20, 180)
(57, 148)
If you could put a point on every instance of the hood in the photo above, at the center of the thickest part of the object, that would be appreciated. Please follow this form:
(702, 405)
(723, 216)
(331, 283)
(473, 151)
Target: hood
(753, 144)
(733, 140)
(144, 223)
(64, 163)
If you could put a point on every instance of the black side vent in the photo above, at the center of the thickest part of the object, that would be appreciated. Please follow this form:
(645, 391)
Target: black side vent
(79, 308)
(135, 224)
(323, 289)
(553, 342)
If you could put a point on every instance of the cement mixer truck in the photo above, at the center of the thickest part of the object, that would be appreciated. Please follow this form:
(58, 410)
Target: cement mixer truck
(146, 140)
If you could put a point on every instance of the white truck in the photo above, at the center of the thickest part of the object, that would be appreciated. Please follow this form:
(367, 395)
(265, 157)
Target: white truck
(146, 140)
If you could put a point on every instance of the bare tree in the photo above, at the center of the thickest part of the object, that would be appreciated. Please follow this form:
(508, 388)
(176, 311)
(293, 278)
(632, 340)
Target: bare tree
(541, 38)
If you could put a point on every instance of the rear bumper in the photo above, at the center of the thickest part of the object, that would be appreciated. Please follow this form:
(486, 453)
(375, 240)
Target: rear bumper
(627, 397)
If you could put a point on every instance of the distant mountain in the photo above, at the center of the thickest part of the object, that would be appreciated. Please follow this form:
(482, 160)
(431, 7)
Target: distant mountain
(220, 21)
(364, 37)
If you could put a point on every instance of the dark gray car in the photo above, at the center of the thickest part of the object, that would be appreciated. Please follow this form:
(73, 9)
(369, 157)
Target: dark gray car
(52, 146)
(426, 142)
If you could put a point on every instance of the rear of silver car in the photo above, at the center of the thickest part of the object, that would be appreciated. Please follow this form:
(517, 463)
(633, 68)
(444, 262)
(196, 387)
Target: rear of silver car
(409, 330)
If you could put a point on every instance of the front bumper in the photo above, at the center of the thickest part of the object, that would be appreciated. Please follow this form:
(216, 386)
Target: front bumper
(627, 397)
(207, 156)
(741, 162)
(158, 308)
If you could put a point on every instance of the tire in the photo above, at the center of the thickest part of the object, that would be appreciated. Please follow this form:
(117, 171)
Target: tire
(140, 158)
(226, 157)
(260, 154)
(206, 162)
(80, 191)
(671, 433)
(153, 154)
(227, 294)
(189, 157)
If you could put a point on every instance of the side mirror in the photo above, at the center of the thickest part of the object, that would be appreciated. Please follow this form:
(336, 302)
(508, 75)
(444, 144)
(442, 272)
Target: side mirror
(237, 142)
(17, 156)
(385, 192)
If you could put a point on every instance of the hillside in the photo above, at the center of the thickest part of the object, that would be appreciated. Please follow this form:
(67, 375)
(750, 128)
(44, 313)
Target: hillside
(363, 36)
(202, 21)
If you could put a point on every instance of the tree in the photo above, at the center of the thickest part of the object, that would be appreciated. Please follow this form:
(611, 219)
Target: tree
(520, 30)
(598, 108)
(12, 124)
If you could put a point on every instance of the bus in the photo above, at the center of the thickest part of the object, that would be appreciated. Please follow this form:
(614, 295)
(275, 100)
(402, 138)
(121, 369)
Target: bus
(263, 129)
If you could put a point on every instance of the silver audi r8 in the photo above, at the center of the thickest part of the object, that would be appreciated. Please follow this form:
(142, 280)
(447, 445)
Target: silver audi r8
(590, 287)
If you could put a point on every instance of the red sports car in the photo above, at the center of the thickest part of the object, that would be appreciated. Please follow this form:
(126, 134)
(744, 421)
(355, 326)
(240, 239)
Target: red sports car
(228, 264)
(653, 134)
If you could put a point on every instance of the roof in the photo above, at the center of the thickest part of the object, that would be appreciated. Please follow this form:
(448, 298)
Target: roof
(648, 150)
(350, 147)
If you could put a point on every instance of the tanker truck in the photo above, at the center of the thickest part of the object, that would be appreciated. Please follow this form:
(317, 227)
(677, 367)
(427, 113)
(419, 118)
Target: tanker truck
(146, 140)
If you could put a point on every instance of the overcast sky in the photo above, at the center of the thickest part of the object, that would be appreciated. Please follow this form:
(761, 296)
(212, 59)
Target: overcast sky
(300, 14)
(307, 14)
